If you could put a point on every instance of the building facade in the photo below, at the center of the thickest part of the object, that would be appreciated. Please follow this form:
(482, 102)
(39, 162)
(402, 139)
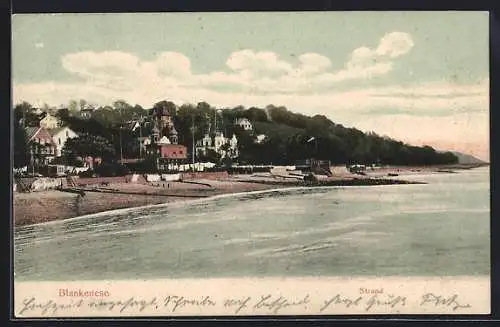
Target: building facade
(163, 141)
(222, 145)
(86, 113)
(49, 122)
(41, 147)
(244, 123)
(60, 136)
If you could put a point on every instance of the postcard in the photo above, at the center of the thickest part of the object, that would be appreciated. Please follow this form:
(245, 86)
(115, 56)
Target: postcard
(251, 163)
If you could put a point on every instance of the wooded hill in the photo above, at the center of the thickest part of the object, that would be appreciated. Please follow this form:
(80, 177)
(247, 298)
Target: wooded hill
(289, 136)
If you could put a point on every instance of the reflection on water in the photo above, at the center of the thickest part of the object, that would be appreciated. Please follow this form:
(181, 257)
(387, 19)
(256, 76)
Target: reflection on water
(440, 228)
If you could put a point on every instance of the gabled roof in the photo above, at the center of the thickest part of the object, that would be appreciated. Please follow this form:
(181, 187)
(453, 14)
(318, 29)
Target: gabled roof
(47, 115)
(40, 133)
(55, 131)
(31, 132)
(164, 140)
(173, 131)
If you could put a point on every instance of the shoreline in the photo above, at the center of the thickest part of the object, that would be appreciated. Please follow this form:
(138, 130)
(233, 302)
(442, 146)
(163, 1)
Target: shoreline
(54, 205)
(46, 206)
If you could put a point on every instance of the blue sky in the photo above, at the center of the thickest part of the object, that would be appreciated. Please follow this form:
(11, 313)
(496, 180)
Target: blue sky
(422, 77)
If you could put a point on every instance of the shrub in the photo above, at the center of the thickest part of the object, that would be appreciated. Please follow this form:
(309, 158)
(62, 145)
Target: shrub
(111, 170)
(87, 173)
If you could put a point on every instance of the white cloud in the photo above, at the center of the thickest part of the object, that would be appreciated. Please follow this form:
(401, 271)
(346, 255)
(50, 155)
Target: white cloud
(249, 71)
(421, 100)
(172, 64)
(394, 44)
(39, 45)
(260, 78)
(257, 63)
(463, 126)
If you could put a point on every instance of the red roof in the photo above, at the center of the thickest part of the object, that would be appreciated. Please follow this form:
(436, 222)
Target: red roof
(39, 133)
(173, 151)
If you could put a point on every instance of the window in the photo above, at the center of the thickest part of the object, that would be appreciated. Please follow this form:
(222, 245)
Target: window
(67, 134)
(181, 152)
(59, 140)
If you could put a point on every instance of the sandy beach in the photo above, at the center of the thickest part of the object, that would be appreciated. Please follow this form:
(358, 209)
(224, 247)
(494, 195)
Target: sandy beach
(44, 206)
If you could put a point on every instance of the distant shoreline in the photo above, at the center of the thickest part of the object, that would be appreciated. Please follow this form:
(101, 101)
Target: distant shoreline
(39, 207)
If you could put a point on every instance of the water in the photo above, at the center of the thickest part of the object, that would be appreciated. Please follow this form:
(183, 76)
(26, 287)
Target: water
(441, 228)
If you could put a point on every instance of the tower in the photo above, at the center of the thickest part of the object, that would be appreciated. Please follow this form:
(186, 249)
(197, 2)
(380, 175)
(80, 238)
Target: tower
(156, 133)
(173, 135)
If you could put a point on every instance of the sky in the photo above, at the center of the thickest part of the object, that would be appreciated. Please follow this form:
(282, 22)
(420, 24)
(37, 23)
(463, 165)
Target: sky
(420, 77)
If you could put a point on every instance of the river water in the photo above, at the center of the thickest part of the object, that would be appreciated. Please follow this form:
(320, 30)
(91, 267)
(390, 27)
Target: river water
(440, 228)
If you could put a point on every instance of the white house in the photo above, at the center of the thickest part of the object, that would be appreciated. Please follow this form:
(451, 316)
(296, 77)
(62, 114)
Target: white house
(216, 143)
(60, 136)
(86, 113)
(260, 138)
(244, 123)
(49, 122)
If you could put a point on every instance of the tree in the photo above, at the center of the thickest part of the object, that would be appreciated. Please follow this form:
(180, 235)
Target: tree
(20, 146)
(83, 104)
(25, 115)
(63, 115)
(286, 133)
(211, 156)
(255, 114)
(88, 145)
(73, 106)
(166, 105)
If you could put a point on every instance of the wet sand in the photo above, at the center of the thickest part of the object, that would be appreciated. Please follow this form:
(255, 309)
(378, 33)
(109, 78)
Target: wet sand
(44, 206)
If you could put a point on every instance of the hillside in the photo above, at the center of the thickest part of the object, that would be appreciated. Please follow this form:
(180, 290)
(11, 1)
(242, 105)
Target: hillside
(293, 136)
(467, 159)
(289, 137)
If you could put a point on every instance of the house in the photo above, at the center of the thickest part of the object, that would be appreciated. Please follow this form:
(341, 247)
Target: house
(90, 162)
(173, 152)
(41, 145)
(216, 143)
(49, 122)
(170, 155)
(144, 142)
(163, 140)
(60, 136)
(86, 113)
(244, 123)
(260, 138)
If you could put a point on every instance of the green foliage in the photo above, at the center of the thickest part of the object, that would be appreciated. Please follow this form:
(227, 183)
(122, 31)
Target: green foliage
(20, 147)
(88, 145)
(210, 156)
(148, 165)
(25, 115)
(287, 135)
(107, 169)
(169, 106)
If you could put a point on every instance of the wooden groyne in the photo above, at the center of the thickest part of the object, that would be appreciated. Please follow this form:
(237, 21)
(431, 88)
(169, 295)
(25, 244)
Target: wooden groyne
(196, 183)
(110, 191)
(339, 182)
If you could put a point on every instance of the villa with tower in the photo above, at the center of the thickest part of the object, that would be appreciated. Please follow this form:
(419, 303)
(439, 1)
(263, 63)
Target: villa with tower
(164, 141)
(217, 142)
